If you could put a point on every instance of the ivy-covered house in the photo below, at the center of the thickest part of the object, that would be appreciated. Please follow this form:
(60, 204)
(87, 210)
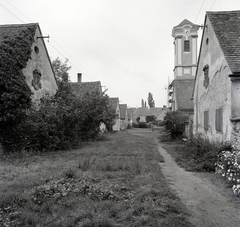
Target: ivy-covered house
(217, 82)
(24, 55)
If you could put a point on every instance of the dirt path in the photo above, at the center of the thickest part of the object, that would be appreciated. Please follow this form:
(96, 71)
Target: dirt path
(206, 203)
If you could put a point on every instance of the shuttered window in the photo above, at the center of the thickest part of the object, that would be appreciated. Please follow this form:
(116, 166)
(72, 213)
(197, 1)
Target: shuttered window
(206, 120)
(219, 120)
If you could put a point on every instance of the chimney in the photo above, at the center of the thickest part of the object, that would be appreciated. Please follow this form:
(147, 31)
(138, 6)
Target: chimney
(79, 77)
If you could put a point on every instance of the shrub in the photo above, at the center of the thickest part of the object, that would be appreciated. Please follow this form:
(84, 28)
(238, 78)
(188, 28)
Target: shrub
(175, 123)
(200, 154)
(61, 122)
(142, 125)
(135, 125)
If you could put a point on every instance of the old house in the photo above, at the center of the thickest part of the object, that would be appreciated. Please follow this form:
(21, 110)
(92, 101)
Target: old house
(217, 82)
(123, 116)
(144, 114)
(185, 63)
(83, 89)
(114, 104)
(80, 89)
(38, 71)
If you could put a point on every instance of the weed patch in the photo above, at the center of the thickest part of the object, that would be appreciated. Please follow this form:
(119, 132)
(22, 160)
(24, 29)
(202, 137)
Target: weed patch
(115, 182)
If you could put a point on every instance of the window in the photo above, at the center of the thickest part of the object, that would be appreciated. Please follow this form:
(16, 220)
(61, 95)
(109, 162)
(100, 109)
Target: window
(186, 46)
(36, 49)
(218, 120)
(206, 120)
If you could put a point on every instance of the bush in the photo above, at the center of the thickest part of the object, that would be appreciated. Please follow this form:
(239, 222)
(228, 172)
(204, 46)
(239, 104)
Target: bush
(200, 154)
(142, 125)
(61, 122)
(175, 123)
(135, 125)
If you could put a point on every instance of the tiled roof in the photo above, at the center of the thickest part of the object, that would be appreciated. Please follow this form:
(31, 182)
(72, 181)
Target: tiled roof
(12, 30)
(113, 102)
(226, 25)
(183, 90)
(143, 111)
(123, 109)
(83, 88)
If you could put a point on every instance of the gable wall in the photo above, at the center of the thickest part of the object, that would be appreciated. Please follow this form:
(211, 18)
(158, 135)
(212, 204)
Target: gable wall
(218, 92)
(116, 126)
(41, 62)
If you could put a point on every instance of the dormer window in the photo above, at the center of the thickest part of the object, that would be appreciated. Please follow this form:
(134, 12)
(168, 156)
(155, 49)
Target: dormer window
(186, 46)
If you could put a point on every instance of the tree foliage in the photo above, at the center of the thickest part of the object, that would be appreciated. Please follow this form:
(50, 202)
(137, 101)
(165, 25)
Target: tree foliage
(175, 123)
(151, 102)
(60, 68)
(61, 121)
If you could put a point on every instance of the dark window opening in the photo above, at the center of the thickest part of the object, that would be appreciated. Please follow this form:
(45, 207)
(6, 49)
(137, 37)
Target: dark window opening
(206, 120)
(186, 46)
(219, 120)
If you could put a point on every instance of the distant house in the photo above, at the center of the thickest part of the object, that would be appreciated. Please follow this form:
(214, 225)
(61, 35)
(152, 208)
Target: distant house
(114, 104)
(130, 117)
(38, 71)
(83, 89)
(217, 82)
(123, 116)
(143, 114)
(80, 89)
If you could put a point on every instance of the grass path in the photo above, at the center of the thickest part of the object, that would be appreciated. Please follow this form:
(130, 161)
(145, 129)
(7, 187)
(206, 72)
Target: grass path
(208, 204)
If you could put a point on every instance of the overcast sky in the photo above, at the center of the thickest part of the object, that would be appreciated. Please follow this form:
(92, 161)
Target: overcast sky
(125, 44)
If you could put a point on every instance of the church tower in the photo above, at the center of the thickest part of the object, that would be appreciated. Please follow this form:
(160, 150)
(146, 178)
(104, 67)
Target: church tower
(185, 63)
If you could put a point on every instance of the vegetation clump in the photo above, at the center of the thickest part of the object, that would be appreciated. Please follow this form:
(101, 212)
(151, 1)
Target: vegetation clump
(175, 123)
(61, 121)
(15, 95)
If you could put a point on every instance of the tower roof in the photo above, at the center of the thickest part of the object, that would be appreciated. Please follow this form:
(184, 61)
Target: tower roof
(183, 24)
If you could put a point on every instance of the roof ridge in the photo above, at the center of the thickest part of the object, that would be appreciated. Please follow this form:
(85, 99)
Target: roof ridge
(18, 25)
(224, 11)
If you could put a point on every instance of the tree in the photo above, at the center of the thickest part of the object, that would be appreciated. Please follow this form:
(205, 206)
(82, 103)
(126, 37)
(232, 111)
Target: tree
(151, 102)
(145, 104)
(61, 69)
(142, 103)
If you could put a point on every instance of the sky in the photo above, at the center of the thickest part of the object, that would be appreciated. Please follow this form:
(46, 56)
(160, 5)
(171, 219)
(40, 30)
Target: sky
(127, 45)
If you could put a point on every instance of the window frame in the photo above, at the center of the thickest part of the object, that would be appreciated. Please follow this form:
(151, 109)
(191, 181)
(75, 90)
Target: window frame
(186, 46)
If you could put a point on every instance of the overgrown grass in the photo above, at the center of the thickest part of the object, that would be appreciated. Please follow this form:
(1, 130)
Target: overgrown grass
(114, 182)
(198, 154)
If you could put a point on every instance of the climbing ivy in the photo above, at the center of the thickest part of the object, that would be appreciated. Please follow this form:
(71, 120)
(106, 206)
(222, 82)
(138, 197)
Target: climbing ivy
(15, 95)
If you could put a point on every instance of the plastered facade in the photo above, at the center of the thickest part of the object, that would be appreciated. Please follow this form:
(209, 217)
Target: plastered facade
(218, 92)
(40, 61)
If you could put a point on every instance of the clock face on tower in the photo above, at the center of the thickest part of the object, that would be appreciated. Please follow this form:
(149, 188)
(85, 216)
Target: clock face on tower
(186, 30)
